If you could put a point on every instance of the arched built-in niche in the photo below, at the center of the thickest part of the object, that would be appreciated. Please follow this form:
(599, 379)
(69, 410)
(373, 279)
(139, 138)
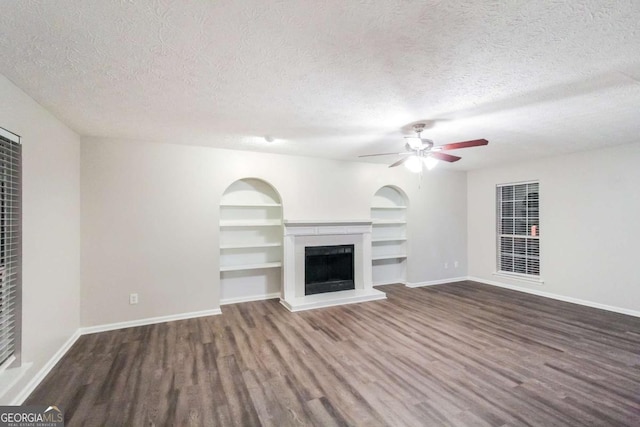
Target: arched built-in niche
(389, 236)
(250, 242)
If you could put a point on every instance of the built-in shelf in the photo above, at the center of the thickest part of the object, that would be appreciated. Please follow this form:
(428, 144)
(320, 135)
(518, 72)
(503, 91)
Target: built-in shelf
(389, 236)
(388, 222)
(250, 241)
(250, 205)
(251, 245)
(263, 223)
(251, 266)
(388, 239)
(381, 257)
(388, 207)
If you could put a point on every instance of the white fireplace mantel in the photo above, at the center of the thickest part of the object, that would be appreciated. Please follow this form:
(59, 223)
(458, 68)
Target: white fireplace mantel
(299, 234)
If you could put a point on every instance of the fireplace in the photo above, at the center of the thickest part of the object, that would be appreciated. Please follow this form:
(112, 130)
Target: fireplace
(340, 243)
(328, 269)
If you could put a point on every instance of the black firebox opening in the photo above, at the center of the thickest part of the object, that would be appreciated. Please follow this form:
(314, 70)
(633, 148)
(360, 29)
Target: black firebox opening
(328, 269)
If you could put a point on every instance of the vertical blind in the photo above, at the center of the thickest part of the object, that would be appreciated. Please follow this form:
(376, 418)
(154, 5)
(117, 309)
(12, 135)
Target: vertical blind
(519, 228)
(10, 242)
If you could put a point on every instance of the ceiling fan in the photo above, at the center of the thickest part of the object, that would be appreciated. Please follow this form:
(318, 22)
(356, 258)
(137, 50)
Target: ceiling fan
(421, 151)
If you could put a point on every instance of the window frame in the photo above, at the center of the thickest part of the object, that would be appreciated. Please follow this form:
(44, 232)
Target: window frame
(531, 255)
(11, 222)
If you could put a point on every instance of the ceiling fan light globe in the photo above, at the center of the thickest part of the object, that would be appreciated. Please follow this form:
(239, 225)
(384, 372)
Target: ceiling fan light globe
(430, 162)
(414, 164)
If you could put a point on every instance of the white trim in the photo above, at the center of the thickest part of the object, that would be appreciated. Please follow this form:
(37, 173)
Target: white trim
(521, 277)
(558, 297)
(299, 235)
(251, 246)
(321, 222)
(384, 257)
(148, 321)
(7, 362)
(240, 267)
(393, 282)
(389, 239)
(250, 205)
(44, 371)
(436, 282)
(508, 184)
(389, 222)
(6, 133)
(11, 377)
(331, 299)
(251, 223)
(227, 301)
(389, 207)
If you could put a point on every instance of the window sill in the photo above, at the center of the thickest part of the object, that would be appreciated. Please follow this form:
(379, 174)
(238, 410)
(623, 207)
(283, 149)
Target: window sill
(521, 277)
(10, 377)
(7, 363)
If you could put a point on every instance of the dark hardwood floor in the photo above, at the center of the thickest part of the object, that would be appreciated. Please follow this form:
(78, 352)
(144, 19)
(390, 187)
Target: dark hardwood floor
(455, 354)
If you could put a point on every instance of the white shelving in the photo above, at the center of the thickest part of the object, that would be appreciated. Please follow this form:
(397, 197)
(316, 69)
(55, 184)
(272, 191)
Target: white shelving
(250, 223)
(381, 257)
(389, 238)
(250, 205)
(386, 221)
(251, 245)
(251, 266)
(388, 207)
(250, 241)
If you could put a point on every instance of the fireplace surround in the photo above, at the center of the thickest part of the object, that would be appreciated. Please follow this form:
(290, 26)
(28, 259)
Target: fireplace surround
(300, 235)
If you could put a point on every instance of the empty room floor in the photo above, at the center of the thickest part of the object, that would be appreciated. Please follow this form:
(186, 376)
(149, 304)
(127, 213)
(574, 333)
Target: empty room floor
(454, 354)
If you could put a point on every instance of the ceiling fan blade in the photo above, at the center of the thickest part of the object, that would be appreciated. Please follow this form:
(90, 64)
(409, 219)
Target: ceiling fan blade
(399, 162)
(444, 157)
(382, 154)
(464, 144)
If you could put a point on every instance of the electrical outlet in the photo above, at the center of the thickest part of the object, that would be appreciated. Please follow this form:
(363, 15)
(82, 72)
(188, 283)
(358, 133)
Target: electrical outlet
(455, 264)
(133, 298)
(446, 265)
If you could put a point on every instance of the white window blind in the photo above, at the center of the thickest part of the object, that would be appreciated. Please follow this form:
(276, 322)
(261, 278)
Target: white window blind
(519, 228)
(10, 244)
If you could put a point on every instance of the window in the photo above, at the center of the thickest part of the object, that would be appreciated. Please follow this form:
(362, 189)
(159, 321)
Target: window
(10, 247)
(519, 228)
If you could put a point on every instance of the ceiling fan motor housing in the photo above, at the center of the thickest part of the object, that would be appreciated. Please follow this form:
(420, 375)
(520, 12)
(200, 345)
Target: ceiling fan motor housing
(419, 127)
(423, 144)
(416, 143)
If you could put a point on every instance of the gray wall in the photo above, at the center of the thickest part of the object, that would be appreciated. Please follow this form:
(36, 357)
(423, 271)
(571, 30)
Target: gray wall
(51, 230)
(590, 224)
(150, 215)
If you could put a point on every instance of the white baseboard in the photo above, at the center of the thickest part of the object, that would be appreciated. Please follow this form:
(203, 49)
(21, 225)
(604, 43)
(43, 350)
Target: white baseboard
(148, 321)
(558, 297)
(44, 371)
(249, 299)
(436, 282)
(395, 282)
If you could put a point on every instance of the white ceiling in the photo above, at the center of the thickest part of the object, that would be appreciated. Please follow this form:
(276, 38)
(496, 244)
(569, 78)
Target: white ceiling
(335, 78)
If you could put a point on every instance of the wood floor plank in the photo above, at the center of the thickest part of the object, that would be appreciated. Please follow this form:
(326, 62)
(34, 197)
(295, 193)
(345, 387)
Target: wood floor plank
(455, 354)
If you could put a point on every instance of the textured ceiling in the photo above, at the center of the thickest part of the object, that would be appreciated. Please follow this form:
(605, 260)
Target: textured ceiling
(334, 78)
